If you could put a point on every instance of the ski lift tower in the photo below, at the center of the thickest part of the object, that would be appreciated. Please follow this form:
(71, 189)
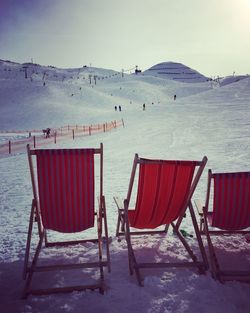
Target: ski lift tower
(136, 70)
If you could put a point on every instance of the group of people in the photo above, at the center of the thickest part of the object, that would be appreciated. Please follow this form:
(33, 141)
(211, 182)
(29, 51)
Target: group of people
(46, 132)
(119, 107)
(143, 106)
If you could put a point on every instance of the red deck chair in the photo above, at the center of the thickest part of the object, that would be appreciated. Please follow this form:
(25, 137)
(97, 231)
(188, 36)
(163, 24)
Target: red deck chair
(229, 214)
(64, 201)
(165, 189)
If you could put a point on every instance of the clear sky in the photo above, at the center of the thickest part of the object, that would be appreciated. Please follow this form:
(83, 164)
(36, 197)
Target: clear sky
(210, 36)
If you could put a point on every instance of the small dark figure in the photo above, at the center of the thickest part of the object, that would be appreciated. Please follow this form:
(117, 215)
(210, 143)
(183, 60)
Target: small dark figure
(47, 132)
(174, 97)
(120, 108)
(115, 108)
(144, 106)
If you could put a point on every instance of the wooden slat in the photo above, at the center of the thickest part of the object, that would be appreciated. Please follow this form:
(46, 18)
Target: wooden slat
(168, 265)
(34, 151)
(47, 291)
(66, 266)
(73, 242)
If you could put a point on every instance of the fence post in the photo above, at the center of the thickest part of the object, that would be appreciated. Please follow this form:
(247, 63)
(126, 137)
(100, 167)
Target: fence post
(34, 141)
(9, 147)
(55, 137)
(104, 128)
(89, 130)
(122, 122)
(73, 133)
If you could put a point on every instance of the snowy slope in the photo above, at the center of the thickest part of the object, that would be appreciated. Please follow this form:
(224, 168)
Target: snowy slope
(175, 71)
(232, 79)
(205, 119)
(67, 96)
(58, 95)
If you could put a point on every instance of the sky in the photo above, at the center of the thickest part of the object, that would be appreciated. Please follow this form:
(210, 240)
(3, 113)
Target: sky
(211, 37)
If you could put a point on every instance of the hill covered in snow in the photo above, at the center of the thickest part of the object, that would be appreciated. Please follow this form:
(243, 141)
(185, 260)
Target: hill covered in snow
(77, 95)
(46, 96)
(232, 79)
(205, 119)
(176, 71)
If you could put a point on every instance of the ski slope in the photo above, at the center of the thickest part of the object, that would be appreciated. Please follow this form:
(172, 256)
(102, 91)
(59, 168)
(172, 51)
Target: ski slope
(205, 119)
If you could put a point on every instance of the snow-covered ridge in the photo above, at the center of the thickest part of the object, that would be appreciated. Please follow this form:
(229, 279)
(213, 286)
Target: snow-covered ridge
(232, 79)
(46, 96)
(176, 71)
(36, 97)
(35, 71)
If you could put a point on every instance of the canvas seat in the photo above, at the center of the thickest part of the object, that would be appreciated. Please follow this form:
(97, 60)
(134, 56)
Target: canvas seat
(65, 187)
(165, 189)
(226, 212)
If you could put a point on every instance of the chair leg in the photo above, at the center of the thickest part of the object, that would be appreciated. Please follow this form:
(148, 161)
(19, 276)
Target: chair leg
(213, 259)
(198, 236)
(118, 225)
(31, 271)
(131, 256)
(106, 234)
(166, 228)
(27, 250)
(99, 221)
(132, 262)
(185, 244)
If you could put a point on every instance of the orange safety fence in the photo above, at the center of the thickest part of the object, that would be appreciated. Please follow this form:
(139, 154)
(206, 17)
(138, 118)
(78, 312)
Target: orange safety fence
(62, 133)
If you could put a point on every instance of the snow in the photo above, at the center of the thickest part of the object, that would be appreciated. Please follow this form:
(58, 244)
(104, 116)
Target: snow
(205, 119)
(176, 71)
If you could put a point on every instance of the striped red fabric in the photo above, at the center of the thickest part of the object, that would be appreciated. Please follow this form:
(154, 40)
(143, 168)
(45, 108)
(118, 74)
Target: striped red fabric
(66, 188)
(163, 189)
(231, 201)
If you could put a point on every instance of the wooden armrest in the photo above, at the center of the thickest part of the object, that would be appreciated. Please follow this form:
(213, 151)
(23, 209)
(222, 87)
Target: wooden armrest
(119, 203)
(198, 205)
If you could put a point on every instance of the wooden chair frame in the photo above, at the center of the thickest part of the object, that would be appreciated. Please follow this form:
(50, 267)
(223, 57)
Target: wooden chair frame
(30, 263)
(205, 229)
(123, 228)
